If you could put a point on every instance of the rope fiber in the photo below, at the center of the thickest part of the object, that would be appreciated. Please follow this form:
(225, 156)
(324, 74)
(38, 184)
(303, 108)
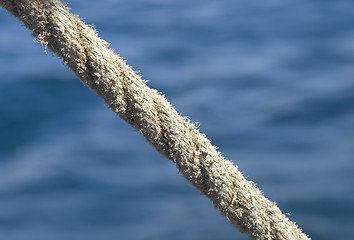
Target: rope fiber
(147, 111)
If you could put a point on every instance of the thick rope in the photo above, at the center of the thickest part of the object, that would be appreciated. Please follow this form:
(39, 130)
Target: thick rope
(149, 112)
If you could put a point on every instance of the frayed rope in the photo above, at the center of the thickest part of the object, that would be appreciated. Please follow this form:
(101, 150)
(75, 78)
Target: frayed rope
(147, 111)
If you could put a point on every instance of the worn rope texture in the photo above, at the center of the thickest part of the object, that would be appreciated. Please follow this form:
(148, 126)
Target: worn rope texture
(149, 112)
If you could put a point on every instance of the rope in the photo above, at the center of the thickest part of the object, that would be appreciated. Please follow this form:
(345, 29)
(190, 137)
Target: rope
(147, 111)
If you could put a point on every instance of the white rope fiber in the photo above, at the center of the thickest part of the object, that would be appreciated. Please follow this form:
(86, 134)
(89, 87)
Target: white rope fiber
(149, 112)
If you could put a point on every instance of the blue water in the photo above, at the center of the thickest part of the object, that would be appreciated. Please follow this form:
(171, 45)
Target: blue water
(271, 84)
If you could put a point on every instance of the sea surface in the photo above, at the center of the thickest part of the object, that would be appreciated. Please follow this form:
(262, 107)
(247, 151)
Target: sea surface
(271, 83)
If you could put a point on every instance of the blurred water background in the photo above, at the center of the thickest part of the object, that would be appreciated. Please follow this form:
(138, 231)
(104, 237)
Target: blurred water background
(271, 84)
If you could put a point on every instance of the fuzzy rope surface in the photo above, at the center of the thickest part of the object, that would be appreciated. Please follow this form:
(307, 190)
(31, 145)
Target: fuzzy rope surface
(147, 111)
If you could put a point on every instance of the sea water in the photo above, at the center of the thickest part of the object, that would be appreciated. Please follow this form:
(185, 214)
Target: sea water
(271, 84)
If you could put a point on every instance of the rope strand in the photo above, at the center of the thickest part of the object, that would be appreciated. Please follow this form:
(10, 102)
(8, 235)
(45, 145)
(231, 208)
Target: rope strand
(147, 111)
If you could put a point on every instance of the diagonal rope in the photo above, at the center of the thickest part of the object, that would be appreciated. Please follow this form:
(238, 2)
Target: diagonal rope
(147, 111)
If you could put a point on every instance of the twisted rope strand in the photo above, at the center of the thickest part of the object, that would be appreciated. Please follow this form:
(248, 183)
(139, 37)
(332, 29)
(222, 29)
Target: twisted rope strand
(149, 112)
